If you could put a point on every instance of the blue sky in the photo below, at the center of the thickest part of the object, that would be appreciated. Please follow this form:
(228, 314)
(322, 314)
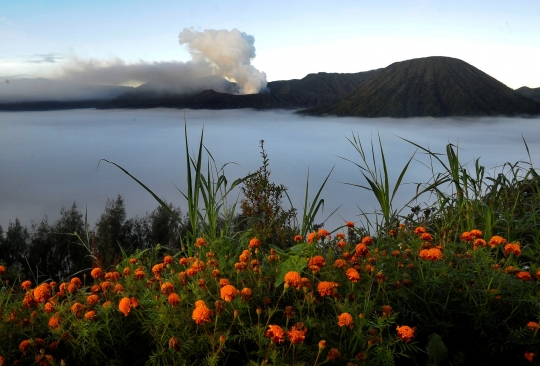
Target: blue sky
(292, 38)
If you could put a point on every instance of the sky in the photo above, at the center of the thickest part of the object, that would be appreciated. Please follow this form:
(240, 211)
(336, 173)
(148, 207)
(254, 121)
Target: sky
(41, 38)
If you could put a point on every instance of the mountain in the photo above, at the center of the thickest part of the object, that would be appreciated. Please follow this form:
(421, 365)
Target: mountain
(431, 86)
(311, 91)
(45, 94)
(529, 92)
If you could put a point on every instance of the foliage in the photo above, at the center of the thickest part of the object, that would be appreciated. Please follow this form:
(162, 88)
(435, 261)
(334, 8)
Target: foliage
(262, 207)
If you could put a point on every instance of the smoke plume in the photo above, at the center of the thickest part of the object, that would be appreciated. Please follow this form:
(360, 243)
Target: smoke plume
(229, 53)
(219, 57)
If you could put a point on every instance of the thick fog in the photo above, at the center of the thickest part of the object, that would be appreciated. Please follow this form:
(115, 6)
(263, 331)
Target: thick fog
(50, 159)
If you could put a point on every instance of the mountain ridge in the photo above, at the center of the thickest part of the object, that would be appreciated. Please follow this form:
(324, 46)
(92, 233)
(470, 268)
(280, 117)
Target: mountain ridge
(434, 86)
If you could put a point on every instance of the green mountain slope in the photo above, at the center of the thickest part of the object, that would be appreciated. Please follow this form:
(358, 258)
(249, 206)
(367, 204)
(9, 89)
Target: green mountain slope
(431, 86)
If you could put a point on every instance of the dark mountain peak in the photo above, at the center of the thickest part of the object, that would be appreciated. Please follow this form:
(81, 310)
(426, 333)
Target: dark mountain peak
(434, 86)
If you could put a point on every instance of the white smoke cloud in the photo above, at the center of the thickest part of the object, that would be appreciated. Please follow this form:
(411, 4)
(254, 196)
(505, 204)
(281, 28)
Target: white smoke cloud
(229, 53)
(217, 56)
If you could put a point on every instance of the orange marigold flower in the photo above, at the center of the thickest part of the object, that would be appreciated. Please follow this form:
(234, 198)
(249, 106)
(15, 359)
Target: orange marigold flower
(244, 257)
(90, 315)
(54, 322)
(298, 238)
(362, 250)
(340, 236)
(127, 271)
(537, 275)
(76, 281)
(254, 243)
(433, 254)
(515, 249)
(183, 261)
(105, 286)
(318, 261)
(92, 299)
(240, 266)
(476, 233)
(340, 263)
(228, 293)
(201, 313)
(479, 243)
(2, 270)
(134, 303)
(48, 308)
(125, 306)
(532, 326)
(405, 332)
(322, 344)
(112, 276)
(322, 233)
(333, 354)
(255, 264)
(345, 320)
(326, 288)
(42, 293)
(157, 269)
(367, 240)
(352, 274)
(496, 240)
(387, 311)
(77, 308)
(524, 276)
(466, 236)
(528, 356)
(97, 272)
(26, 285)
(341, 244)
(118, 288)
(276, 333)
(106, 304)
(23, 347)
(246, 293)
(426, 237)
(168, 260)
(292, 279)
(2, 360)
(349, 224)
(223, 282)
(167, 288)
(312, 237)
(132, 260)
(139, 274)
(296, 335)
(200, 242)
(419, 230)
(173, 299)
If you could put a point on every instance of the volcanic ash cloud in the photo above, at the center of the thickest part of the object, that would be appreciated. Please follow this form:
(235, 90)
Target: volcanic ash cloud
(228, 53)
(216, 55)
